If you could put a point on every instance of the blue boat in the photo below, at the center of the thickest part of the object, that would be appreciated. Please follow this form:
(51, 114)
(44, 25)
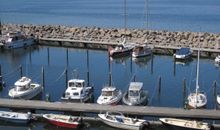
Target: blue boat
(183, 54)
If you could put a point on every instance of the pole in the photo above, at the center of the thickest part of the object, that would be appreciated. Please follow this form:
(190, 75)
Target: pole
(184, 91)
(159, 84)
(174, 67)
(30, 58)
(152, 63)
(215, 94)
(1, 81)
(43, 77)
(109, 69)
(48, 55)
(87, 57)
(21, 71)
(67, 57)
(0, 27)
(66, 77)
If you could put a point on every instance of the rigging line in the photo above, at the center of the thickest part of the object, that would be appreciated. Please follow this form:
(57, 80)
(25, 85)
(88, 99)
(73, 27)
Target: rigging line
(11, 72)
(51, 84)
(154, 92)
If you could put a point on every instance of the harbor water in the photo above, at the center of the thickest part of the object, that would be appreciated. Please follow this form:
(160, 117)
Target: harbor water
(146, 70)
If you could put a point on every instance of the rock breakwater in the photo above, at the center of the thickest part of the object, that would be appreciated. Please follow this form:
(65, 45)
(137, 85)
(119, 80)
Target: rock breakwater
(115, 35)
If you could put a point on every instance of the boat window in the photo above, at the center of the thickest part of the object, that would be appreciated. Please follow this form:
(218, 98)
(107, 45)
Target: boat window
(106, 93)
(75, 94)
(133, 93)
(20, 88)
(71, 84)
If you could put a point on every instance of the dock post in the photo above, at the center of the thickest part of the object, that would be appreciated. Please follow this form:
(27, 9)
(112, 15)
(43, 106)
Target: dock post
(159, 84)
(48, 55)
(87, 57)
(109, 69)
(134, 78)
(174, 67)
(1, 79)
(30, 58)
(43, 78)
(184, 91)
(131, 64)
(66, 77)
(215, 94)
(67, 57)
(21, 71)
(152, 63)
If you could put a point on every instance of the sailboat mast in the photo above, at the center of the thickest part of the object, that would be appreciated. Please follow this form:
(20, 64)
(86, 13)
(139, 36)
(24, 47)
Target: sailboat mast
(197, 75)
(125, 18)
(0, 27)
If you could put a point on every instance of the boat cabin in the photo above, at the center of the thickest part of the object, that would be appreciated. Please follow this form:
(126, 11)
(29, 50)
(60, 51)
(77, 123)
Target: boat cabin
(22, 84)
(183, 51)
(135, 90)
(77, 83)
(109, 91)
(14, 36)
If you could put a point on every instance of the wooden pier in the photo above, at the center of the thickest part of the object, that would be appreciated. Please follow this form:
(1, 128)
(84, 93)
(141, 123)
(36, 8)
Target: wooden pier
(96, 108)
(104, 45)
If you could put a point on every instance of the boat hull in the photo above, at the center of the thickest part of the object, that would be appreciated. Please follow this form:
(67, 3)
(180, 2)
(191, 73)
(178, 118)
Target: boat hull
(14, 117)
(19, 43)
(26, 95)
(62, 124)
(142, 102)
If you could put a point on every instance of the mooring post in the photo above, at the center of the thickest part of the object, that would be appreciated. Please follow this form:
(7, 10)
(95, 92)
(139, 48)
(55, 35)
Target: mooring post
(174, 67)
(30, 59)
(87, 57)
(1, 81)
(43, 78)
(134, 78)
(48, 55)
(0, 27)
(66, 77)
(159, 84)
(152, 63)
(131, 64)
(67, 57)
(215, 94)
(109, 69)
(184, 91)
(21, 71)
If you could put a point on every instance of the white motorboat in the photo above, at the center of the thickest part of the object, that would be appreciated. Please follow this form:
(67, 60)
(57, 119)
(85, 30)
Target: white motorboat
(217, 59)
(15, 117)
(118, 120)
(141, 51)
(77, 91)
(183, 54)
(135, 95)
(190, 124)
(17, 40)
(110, 96)
(197, 99)
(63, 120)
(25, 89)
(218, 98)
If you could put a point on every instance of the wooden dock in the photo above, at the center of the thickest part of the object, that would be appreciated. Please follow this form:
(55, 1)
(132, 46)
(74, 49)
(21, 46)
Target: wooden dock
(95, 108)
(97, 44)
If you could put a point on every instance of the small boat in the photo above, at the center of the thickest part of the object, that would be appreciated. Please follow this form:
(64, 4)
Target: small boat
(77, 91)
(183, 54)
(141, 51)
(198, 98)
(135, 95)
(118, 120)
(15, 117)
(63, 120)
(17, 40)
(25, 89)
(190, 124)
(217, 59)
(110, 96)
(121, 50)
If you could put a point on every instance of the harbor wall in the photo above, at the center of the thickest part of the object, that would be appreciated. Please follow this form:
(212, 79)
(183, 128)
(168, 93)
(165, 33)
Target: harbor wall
(115, 35)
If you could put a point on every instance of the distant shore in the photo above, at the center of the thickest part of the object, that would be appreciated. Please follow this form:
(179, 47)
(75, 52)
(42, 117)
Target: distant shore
(152, 37)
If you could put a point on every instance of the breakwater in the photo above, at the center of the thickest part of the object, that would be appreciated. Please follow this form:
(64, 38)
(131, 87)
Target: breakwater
(114, 35)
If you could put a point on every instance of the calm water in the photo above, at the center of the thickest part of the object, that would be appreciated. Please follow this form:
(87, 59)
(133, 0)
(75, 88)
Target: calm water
(147, 71)
(187, 15)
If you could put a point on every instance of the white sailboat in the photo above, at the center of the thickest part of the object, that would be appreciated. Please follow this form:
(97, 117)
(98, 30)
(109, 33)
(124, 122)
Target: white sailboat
(197, 99)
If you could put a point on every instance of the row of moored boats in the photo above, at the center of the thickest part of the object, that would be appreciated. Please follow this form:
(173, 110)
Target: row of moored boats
(113, 119)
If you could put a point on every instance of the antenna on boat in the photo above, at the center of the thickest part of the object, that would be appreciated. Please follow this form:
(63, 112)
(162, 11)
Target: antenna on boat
(197, 76)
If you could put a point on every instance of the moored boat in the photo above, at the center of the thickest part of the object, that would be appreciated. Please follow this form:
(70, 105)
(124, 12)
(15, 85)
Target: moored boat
(110, 96)
(77, 91)
(218, 98)
(15, 117)
(63, 120)
(217, 59)
(25, 89)
(198, 98)
(121, 50)
(141, 51)
(17, 40)
(135, 95)
(183, 54)
(118, 120)
(189, 124)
